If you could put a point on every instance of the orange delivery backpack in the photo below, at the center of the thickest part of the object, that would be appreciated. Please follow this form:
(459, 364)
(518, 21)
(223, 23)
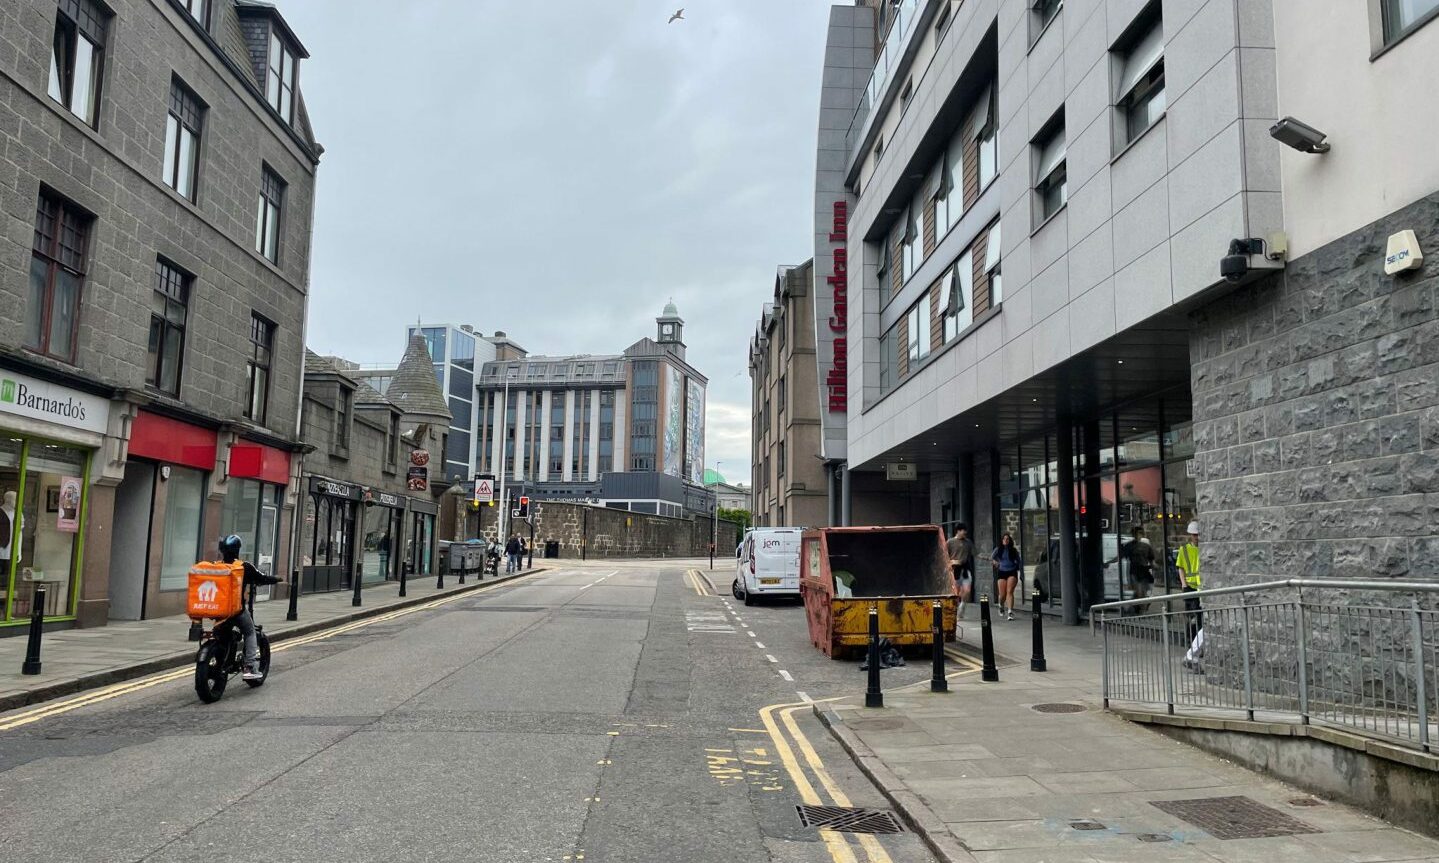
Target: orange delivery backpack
(217, 590)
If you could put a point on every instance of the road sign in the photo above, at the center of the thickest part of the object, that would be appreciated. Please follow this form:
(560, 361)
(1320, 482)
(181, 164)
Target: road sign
(484, 490)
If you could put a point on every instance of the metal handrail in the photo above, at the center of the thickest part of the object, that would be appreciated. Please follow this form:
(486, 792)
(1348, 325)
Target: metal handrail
(1330, 583)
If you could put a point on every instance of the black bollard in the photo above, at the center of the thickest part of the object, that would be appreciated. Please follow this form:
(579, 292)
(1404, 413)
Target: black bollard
(462, 572)
(873, 697)
(938, 682)
(990, 674)
(355, 600)
(440, 578)
(404, 571)
(293, 612)
(1036, 662)
(31, 665)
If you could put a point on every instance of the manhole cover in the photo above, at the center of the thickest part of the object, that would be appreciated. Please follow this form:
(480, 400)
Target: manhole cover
(849, 819)
(1087, 824)
(1058, 707)
(1155, 837)
(1305, 801)
(1234, 817)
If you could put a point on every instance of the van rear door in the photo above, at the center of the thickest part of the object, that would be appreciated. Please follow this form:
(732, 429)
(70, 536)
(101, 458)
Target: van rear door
(776, 556)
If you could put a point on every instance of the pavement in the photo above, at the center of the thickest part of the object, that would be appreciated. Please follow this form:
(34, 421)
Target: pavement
(73, 660)
(989, 777)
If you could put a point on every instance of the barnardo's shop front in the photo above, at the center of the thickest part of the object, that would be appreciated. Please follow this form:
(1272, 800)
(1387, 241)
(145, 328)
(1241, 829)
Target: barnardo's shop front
(51, 440)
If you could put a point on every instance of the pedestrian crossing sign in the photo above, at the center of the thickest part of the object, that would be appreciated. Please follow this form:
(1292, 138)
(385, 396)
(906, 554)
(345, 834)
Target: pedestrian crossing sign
(484, 490)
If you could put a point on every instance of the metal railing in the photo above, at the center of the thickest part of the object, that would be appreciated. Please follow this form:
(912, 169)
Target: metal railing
(1354, 654)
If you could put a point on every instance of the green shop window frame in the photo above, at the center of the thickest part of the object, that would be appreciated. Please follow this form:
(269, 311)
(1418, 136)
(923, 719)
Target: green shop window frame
(77, 561)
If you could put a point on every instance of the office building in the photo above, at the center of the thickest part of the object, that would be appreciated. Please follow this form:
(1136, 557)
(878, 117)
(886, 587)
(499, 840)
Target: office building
(1021, 211)
(625, 430)
(158, 171)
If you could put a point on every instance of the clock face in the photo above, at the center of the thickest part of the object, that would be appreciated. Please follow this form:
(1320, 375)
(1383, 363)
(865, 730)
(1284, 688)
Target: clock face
(668, 329)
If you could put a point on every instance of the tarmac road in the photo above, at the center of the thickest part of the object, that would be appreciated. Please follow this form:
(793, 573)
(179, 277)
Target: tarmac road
(600, 712)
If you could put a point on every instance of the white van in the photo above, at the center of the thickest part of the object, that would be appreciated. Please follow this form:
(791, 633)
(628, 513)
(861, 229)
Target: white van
(767, 563)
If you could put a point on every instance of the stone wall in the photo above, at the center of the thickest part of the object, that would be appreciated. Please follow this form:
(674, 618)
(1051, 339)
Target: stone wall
(620, 534)
(1316, 405)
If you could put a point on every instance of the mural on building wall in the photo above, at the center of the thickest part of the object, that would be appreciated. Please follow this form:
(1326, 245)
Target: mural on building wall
(695, 431)
(674, 416)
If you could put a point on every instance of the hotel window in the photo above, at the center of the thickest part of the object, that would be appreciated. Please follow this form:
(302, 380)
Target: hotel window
(991, 267)
(57, 275)
(199, 10)
(1045, 11)
(280, 79)
(1139, 95)
(986, 135)
(1402, 17)
(77, 57)
(343, 411)
(912, 244)
(169, 308)
(963, 297)
(919, 332)
(888, 360)
(257, 369)
(950, 304)
(782, 459)
(949, 197)
(1050, 186)
(182, 139)
(886, 277)
(267, 217)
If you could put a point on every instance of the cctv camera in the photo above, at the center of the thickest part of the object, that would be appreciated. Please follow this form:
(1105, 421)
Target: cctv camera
(1235, 265)
(1300, 136)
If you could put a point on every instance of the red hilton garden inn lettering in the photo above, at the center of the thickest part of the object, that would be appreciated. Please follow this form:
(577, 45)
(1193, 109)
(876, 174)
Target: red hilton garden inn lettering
(836, 381)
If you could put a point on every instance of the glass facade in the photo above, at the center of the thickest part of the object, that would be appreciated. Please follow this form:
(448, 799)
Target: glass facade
(43, 493)
(1132, 483)
(252, 512)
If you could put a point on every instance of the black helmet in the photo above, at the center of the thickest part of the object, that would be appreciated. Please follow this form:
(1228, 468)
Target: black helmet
(230, 546)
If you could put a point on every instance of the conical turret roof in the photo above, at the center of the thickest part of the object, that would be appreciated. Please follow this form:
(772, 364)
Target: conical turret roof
(415, 390)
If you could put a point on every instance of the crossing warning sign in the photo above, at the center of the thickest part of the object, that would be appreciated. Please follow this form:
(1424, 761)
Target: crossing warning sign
(484, 490)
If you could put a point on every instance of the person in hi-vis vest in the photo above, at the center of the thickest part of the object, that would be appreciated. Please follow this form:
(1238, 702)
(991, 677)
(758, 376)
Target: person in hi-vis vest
(1187, 561)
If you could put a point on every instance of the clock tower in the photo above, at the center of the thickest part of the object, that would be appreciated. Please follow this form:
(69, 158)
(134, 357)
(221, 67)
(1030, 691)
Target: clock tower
(671, 328)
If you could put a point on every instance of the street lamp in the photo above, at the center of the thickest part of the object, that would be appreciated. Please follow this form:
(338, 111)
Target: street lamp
(504, 441)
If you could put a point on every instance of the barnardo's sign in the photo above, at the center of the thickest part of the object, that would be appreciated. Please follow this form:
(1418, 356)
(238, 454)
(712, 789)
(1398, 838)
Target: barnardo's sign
(24, 396)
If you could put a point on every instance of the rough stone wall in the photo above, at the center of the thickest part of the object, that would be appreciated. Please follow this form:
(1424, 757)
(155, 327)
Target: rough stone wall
(1316, 405)
(114, 172)
(619, 534)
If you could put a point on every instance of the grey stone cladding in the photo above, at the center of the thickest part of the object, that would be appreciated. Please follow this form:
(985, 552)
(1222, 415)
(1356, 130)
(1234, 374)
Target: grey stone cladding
(114, 171)
(1316, 405)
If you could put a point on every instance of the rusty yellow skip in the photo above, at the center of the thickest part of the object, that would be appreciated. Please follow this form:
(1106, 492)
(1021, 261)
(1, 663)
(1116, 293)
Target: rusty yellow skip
(901, 571)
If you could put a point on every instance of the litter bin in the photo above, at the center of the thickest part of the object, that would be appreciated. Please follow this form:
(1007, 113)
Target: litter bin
(900, 570)
(552, 548)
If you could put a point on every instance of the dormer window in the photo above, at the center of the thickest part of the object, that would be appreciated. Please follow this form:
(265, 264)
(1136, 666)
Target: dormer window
(199, 10)
(280, 78)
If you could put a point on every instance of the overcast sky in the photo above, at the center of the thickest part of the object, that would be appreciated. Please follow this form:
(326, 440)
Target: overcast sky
(559, 171)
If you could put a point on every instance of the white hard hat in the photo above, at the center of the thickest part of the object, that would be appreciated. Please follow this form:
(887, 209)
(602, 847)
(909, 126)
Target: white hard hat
(1193, 528)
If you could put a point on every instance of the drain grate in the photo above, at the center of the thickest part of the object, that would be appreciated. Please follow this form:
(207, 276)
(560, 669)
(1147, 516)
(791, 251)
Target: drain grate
(1086, 824)
(1058, 707)
(1234, 817)
(849, 819)
(1306, 801)
(1155, 837)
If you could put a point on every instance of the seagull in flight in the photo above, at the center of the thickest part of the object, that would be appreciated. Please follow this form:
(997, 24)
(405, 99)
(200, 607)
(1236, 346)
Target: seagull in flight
(678, 16)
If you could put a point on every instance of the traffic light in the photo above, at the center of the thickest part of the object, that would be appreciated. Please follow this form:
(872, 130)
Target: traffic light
(524, 511)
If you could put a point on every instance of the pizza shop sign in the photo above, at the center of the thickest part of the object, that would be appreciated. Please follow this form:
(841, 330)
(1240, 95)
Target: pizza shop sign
(836, 379)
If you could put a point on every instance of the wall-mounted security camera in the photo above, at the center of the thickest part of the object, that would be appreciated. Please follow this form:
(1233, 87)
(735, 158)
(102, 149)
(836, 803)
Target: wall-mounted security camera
(1302, 137)
(1235, 265)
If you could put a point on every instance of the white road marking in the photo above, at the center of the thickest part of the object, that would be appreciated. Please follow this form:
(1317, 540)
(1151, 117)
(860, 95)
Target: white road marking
(786, 675)
(750, 634)
(770, 658)
(707, 621)
(804, 696)
(759, 645)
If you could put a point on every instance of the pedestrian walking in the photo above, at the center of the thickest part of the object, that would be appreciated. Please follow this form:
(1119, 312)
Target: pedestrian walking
(1186, 560)
(1007, 566)
(961, 563)
(512, 554)
(1140, 554)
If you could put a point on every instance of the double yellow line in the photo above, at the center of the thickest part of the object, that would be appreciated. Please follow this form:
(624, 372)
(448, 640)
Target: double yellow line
(45, 711)
(839, 845)
(698, 583)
